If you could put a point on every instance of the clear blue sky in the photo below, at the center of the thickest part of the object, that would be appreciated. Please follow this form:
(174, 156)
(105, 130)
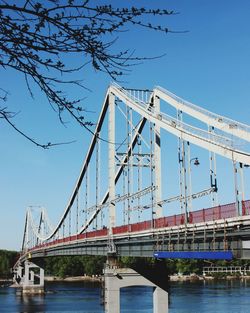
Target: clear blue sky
(208, 65)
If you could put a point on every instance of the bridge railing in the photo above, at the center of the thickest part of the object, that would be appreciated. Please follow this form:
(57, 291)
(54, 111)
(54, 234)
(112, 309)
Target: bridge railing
(200, 216)
(226, 270)
(246, 207)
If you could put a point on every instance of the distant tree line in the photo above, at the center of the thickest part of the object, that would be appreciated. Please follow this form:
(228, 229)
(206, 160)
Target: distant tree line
(7, 260)
(63, 266)
(187, 266)
(182, 266)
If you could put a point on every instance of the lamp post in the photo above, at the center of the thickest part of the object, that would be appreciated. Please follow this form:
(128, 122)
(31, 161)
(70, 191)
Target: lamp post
(185, 182)
(239, 187)
(194, 161)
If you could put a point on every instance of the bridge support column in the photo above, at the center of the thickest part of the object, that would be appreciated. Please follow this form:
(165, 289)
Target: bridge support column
(33, 282)
(18, 275)
(116, 278)
(160, 300)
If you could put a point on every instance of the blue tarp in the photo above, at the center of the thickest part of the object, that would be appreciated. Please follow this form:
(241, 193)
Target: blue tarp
(212, 255)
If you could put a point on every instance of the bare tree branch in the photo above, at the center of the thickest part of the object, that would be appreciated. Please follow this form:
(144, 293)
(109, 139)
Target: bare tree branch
(35, 36)
(8, 115)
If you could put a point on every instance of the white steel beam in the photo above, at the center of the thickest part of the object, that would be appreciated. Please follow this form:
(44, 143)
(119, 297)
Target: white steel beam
(112, 162)
(119, 171)
(221, 122)
(157, 160)
(217, 144)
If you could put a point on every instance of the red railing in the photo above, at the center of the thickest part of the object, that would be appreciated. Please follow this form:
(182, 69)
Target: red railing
(199, 216)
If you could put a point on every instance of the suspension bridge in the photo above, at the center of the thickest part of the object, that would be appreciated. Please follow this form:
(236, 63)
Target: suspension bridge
(140, 192)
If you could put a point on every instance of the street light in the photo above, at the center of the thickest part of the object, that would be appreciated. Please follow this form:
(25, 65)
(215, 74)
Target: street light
(196, 161)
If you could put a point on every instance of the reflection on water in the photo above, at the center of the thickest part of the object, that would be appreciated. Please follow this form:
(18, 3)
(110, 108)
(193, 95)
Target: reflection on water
(205, 297)
(225, 296)
(30, 304)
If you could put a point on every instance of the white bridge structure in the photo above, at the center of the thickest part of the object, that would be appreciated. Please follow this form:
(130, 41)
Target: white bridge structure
(138, 193)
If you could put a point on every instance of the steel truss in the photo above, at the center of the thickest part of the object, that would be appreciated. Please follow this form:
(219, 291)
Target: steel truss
(147, 105)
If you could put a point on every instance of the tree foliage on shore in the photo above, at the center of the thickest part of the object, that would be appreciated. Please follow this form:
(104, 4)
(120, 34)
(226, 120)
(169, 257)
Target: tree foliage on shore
(50, 41)
(63, 266)
(7, 260)
(182, 266)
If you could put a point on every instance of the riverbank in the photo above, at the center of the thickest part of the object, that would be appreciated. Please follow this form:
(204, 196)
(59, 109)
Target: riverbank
(5, 282)
(174, 278)
(194, 277)
(96, 278)
(93, 278)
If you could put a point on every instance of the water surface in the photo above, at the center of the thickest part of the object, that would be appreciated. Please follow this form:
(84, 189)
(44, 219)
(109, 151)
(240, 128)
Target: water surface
(83, 297)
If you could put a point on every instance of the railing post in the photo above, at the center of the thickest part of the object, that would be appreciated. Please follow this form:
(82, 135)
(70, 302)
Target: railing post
(243, 207)
(219, 211)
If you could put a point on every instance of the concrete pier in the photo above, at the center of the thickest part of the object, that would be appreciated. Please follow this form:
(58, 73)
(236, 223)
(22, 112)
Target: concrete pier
(30, 278)
(116, 278)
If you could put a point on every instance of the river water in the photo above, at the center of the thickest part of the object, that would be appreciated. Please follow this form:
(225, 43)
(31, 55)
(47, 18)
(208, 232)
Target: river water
(82, 297)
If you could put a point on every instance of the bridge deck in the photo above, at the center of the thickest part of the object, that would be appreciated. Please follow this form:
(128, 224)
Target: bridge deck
(163, 234)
